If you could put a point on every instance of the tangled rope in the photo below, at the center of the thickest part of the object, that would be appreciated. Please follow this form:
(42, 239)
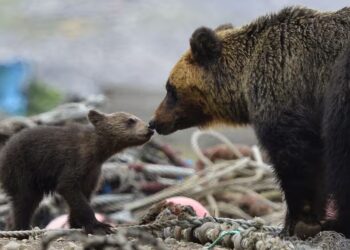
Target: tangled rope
(34, 233)
(204, 230)
(252, 234)
(221, 236)
(155, 226)
(243, 175)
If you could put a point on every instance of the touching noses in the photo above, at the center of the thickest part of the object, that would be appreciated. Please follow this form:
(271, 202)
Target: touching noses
(152, 124)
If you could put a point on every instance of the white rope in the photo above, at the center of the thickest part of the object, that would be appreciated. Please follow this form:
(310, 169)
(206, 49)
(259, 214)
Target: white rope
(195, 145)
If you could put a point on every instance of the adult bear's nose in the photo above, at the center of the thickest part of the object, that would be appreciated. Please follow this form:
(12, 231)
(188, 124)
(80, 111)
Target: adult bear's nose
(152, 124)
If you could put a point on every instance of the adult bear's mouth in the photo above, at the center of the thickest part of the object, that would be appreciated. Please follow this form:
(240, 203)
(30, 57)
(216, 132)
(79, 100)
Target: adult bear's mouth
(166, 128)
(162, 128)
(167, 121)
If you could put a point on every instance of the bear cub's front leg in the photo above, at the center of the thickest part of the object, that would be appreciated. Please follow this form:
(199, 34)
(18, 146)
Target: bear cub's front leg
(81, 213)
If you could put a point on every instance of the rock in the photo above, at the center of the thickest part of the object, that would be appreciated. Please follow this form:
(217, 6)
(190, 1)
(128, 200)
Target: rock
(12, 245)
(170, 241)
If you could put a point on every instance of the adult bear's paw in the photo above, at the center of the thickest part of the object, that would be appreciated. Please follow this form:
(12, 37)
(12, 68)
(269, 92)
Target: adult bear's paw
(301, 229)
(305, 230)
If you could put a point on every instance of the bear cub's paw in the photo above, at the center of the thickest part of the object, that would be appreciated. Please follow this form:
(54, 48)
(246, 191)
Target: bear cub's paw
(98, 228)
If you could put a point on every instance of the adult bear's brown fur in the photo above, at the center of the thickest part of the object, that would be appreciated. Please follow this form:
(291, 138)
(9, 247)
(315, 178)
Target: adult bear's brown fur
(68, 160)
(272, 74)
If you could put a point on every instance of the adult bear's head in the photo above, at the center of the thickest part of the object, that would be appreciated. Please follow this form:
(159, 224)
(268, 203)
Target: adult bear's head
(197, 86)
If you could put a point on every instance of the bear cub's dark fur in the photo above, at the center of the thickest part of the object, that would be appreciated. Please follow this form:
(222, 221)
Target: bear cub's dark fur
(66, 160)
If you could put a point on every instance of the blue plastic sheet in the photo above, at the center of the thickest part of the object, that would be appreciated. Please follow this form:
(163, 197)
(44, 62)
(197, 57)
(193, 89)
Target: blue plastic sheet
(13, 78)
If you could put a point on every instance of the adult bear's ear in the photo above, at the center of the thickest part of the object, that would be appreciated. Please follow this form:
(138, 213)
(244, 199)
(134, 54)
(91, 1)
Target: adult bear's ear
(95, 116)
(205, 45)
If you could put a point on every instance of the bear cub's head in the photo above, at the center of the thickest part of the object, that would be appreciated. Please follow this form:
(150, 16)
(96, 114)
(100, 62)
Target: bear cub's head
(123, 128)
(190, 90)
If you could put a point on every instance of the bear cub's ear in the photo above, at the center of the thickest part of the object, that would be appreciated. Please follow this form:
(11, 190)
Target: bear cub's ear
(222, 27)
(95, 116)
(205, 45)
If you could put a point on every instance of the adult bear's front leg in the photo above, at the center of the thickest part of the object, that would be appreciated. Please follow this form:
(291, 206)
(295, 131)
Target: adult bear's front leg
(336, 133)
(294, 146)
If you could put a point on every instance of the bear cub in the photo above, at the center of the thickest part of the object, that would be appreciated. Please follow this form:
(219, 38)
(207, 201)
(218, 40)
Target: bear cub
(66, 160)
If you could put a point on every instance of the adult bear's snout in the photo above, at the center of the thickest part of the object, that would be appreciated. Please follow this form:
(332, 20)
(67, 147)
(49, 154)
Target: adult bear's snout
(152, 124)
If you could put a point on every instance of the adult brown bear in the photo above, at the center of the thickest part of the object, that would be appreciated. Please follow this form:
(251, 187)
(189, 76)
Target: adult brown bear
(275, 74)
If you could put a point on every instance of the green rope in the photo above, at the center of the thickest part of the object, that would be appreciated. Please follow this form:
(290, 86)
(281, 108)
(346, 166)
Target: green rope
(222, 235)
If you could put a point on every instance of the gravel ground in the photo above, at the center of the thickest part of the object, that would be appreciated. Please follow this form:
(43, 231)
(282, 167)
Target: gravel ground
(64, 244)
(35, 244)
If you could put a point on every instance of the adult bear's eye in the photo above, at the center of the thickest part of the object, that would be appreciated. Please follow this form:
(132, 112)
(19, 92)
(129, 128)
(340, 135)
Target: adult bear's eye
(171, 94)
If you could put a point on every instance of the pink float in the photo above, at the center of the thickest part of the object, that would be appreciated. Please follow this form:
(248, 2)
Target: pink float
(185, 201)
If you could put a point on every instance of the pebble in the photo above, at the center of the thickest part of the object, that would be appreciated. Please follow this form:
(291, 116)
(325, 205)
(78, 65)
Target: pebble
(170, 241)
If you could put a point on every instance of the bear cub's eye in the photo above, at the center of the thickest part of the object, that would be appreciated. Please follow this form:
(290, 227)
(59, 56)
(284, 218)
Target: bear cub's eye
(131, 122)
